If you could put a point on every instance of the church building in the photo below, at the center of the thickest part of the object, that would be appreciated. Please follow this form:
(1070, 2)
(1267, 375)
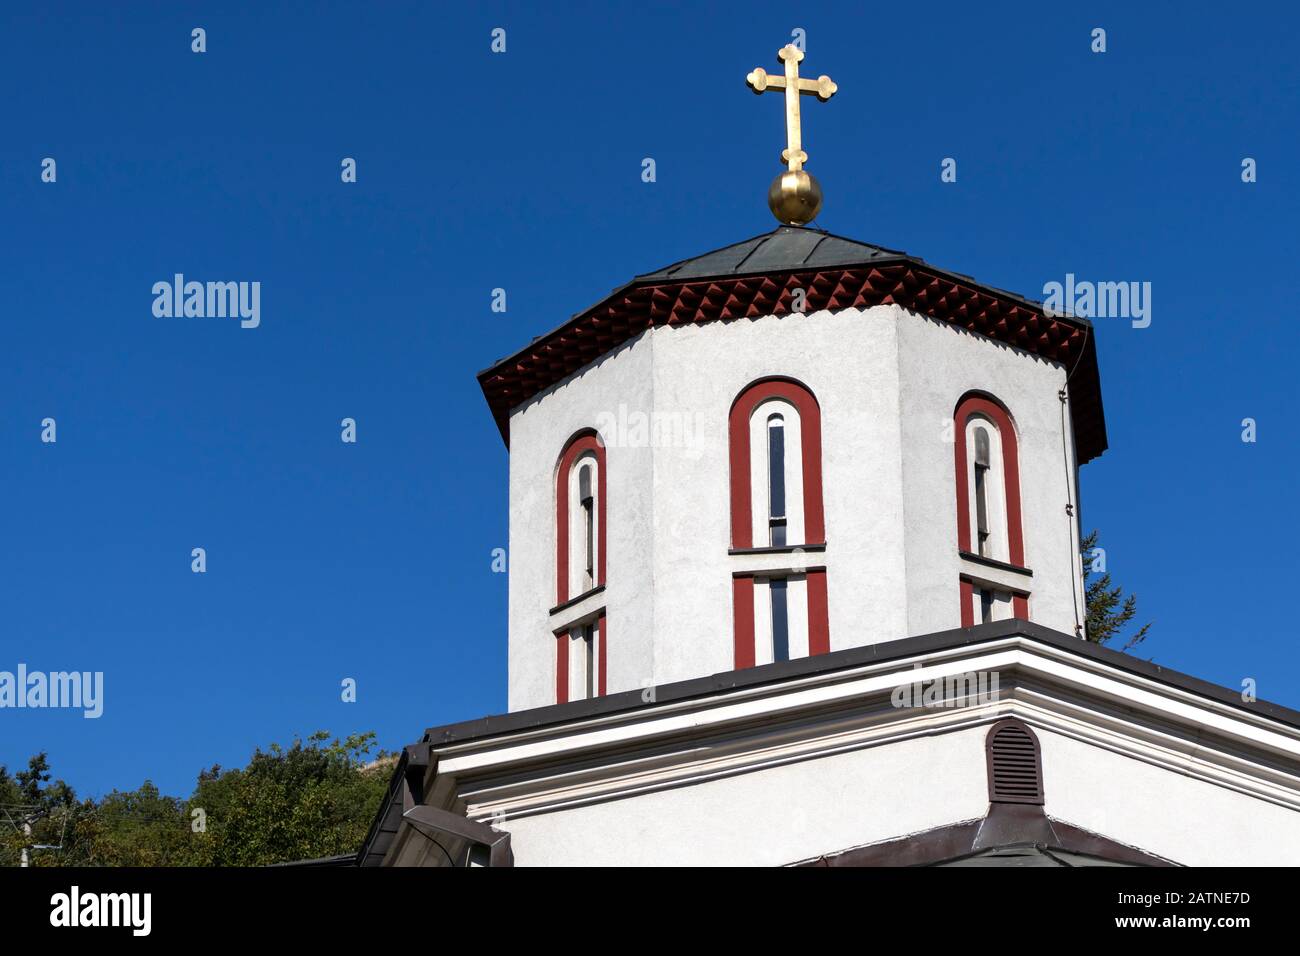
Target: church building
(795, 580)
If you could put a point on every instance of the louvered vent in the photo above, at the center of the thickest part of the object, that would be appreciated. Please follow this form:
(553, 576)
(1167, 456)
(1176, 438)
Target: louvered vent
(1015, 769)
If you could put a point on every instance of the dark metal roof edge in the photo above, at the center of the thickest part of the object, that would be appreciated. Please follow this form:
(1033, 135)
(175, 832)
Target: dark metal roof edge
(663, 274)
(893, 257)
(1075, 320)
(619, 290)
(628, 701)
(391, 795)
(953, 842)
(1091, 367)
(341, 859)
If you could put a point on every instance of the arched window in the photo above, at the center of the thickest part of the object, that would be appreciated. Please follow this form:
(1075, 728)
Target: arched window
(775, 428)
(583, 525)
(580, 517)
(776, 506)
(580, 664)
(988, 504)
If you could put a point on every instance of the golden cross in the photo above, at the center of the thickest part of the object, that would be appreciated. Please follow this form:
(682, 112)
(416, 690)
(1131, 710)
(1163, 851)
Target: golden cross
(793, 155)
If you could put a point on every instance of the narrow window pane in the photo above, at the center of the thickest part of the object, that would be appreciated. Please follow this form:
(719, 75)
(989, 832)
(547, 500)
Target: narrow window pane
(589, 564)
(776, 479)
(589, 639)
(986, 606)
(981, 491)
(780, 621)
(588, 502)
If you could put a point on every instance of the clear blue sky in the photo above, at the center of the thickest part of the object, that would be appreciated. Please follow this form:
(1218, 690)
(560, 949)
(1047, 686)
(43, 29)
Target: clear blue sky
(522, 171)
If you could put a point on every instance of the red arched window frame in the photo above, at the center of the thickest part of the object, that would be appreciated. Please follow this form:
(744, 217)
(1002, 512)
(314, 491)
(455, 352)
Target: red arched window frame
(810, 426)
(742, 517)
(580, 443)
(978, 403)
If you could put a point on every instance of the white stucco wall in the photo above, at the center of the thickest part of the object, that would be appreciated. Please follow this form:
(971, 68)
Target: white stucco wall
(798, 811)
(937, 365)
(538, 434)
(887, 382)
(771, 817)
(1190, 821)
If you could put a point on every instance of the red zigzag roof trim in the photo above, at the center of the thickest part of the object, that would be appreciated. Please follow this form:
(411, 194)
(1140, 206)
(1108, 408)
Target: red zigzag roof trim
(630, 311)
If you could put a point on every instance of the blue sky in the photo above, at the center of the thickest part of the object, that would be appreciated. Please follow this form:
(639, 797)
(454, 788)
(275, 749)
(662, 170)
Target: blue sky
(522, 171)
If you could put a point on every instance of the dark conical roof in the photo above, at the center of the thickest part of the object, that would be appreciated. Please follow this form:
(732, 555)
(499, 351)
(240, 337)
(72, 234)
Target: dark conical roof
(786, 247)
(758, 276)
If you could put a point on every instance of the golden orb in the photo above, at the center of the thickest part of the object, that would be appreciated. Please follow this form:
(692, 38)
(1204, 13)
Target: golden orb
(795, 197)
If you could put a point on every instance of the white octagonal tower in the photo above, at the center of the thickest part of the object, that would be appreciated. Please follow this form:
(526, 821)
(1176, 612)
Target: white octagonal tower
(792, 445)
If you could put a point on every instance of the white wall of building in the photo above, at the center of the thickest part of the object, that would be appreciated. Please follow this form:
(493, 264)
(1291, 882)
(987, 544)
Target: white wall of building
(538, 434)
(1179, 817)
(937, 365)
(798, 811)
(815, 764)
(771, 817)
(887, 382)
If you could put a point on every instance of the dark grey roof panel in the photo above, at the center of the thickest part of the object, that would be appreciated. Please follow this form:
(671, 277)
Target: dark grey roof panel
(786, 247)
(1031, 856)
(724, 260)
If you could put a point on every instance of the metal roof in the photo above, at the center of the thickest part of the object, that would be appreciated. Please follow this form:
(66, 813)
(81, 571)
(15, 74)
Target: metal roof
(793, 248)
(758, 277)
(784, 248)
(555, 716)
(1031, 855)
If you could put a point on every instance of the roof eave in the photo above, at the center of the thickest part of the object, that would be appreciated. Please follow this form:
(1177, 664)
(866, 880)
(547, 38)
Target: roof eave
(1086, 363)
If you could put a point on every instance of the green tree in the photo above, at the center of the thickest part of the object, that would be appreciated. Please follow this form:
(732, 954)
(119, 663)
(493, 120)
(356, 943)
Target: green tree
(141, 827)
(312, 799)
(1109, 611)
(309, 800)
(33, 811)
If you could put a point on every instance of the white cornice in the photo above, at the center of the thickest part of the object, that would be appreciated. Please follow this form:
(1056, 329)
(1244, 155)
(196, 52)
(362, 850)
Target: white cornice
(741, 730)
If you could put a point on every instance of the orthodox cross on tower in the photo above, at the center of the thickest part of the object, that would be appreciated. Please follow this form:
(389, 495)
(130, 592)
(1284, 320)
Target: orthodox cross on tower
(795, 196)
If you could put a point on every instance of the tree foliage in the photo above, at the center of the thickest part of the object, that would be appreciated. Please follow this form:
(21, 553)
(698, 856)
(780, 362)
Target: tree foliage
(311, 799)
(1109, 611)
